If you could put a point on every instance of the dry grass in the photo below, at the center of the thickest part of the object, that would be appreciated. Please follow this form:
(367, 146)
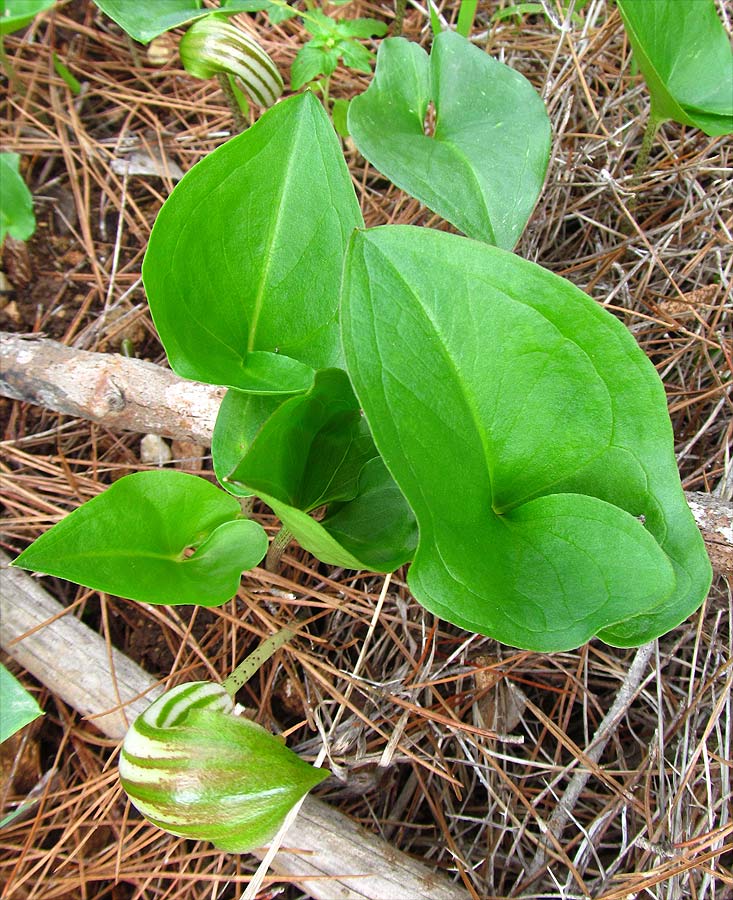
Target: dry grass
(413, 749)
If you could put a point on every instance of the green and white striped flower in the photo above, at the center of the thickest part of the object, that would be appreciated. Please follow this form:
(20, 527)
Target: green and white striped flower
(212, 45)
(195, 769)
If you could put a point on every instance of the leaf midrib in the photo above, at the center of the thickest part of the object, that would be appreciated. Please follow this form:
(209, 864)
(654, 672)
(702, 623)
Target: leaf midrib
(276, 225)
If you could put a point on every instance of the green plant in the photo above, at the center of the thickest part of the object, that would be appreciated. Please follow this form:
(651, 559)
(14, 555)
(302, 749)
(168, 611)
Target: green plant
(685, 56)
(487, 118)
(16, 201)
(333, 41)
(18, 708)
(514, 443)
(457, 351)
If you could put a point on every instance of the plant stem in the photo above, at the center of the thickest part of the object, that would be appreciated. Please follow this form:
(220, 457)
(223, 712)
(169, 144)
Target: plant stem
(466, 15)
(239, 122)
(277, 548)
(250, 664)
(7, 66)
(325, 88)
(399, 17)
(642, 160)
(247, 505)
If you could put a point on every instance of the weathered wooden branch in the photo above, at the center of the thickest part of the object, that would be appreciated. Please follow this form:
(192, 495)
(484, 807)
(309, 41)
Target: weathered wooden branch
(124, 394)
(132, 395)
(332, 855)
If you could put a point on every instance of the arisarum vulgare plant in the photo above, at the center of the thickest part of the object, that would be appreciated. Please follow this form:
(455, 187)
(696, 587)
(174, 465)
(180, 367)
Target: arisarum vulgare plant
(514, 445)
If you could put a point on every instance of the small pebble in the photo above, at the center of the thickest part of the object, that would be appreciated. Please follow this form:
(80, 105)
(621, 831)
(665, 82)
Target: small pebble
(154, 451)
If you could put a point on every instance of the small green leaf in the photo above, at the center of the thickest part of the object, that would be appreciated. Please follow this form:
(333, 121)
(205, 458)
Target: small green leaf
(243, 267)
(17, 707)
(134, 541)
(63, 72)
(16, 201)
(278, 14)
(310, 62)
(374, 531)
(529, 434)
(16, 14)
(360, 28)
(312, 448)
(212, 46)
(339, 113)
(686, 58)
(377, 527)
(517, 10)
(356, 56)
(484, 166)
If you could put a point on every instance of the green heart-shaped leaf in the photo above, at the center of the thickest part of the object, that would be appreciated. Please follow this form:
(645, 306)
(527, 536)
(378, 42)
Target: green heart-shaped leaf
(529, 434)
(244, 263)
(484, 165)
(134, 540)
(685, 55)
(316, 450)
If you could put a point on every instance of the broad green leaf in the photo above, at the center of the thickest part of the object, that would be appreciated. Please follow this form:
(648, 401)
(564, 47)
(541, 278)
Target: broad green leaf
(243, 267)
(529, 434)
(16, 14)
(315, 450)
(483, 167)
(17, 706)
(16, 202)
(685, 55)
(238, 421)
(145, 21)
(158, 537)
